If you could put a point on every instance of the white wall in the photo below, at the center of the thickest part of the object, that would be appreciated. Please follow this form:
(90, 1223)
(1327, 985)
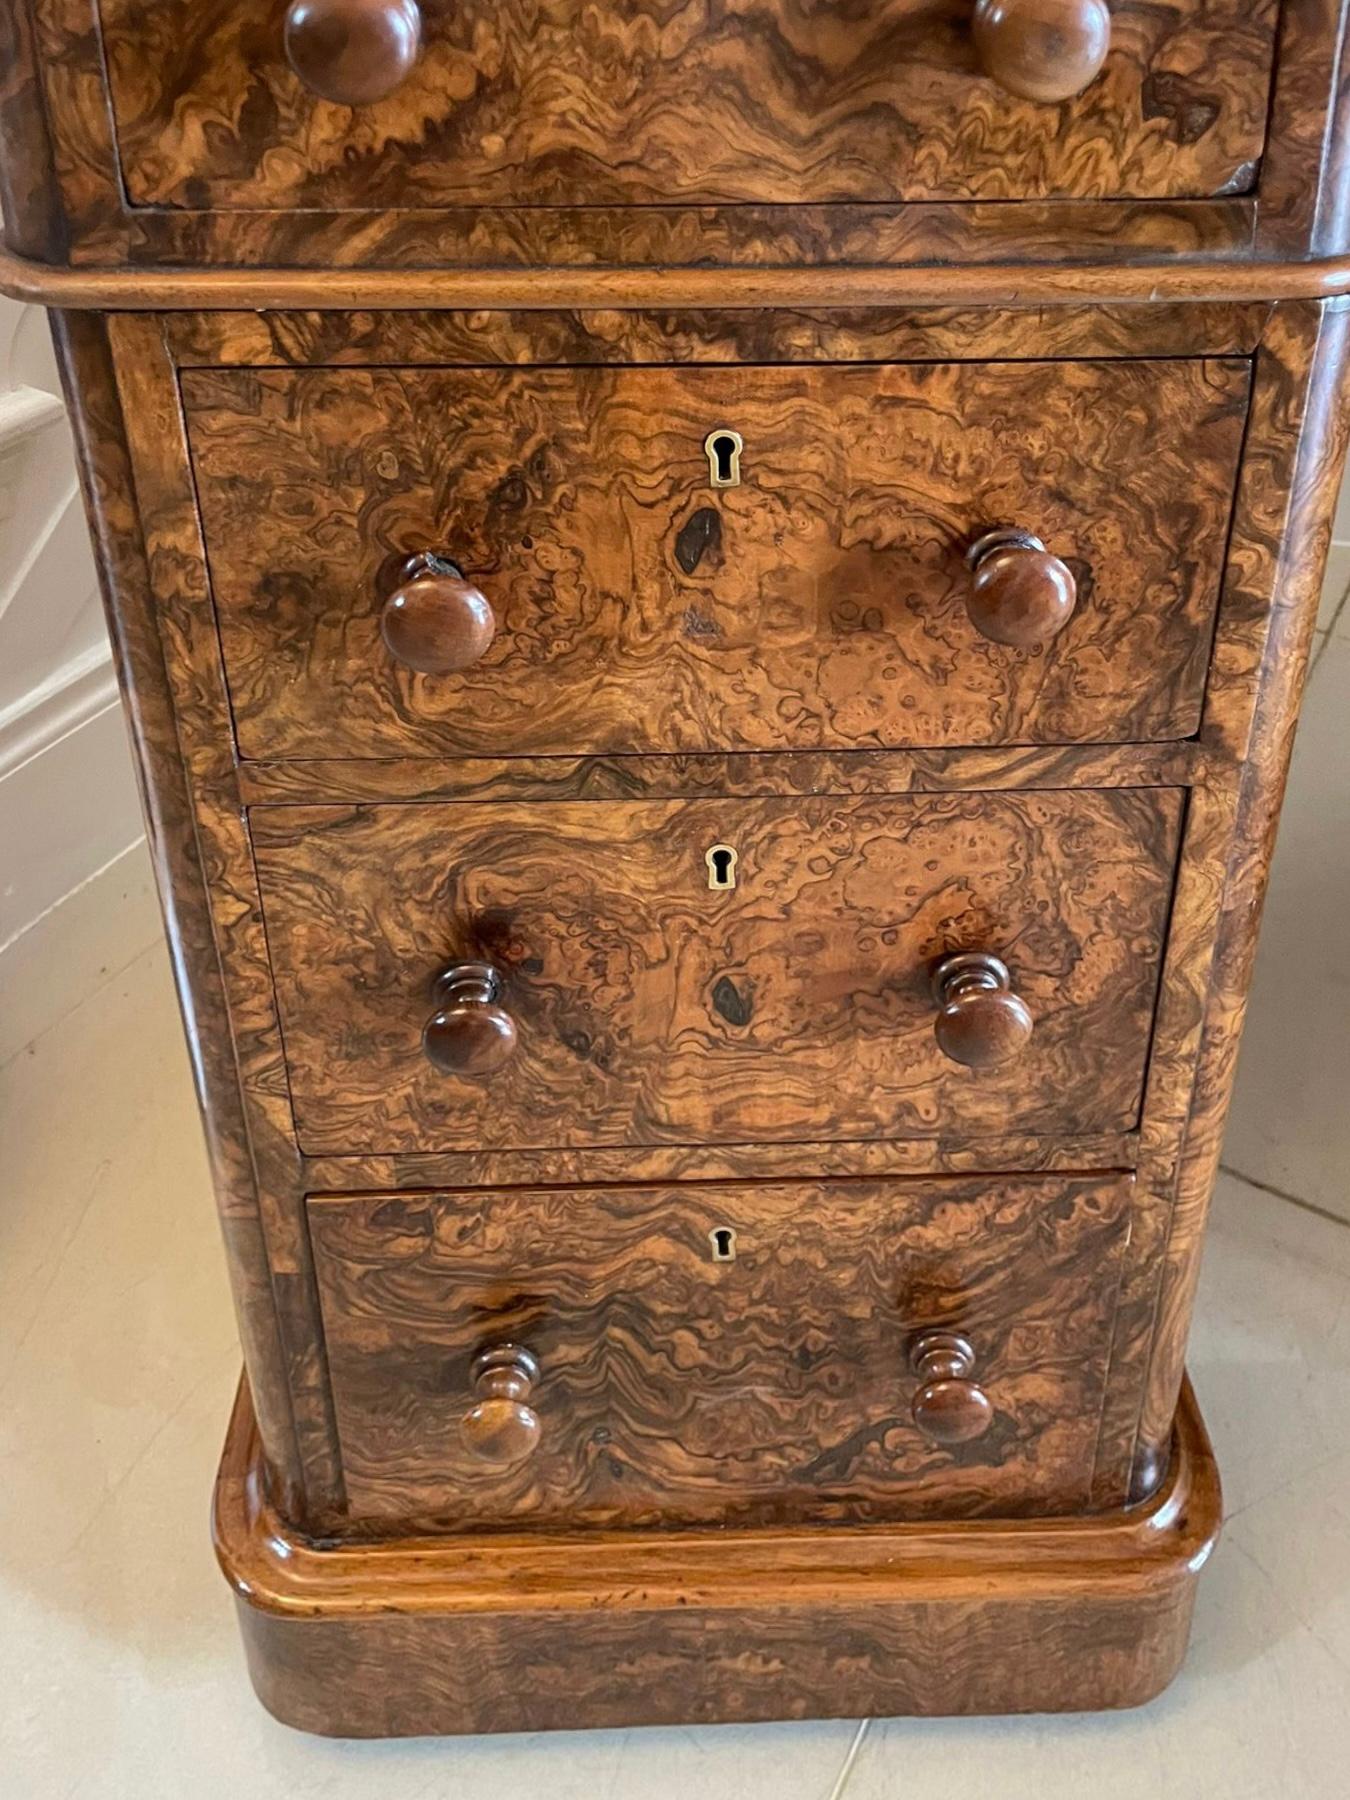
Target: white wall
(69, 813)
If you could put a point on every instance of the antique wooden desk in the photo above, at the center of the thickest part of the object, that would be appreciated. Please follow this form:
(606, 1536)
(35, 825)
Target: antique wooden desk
(712, 602)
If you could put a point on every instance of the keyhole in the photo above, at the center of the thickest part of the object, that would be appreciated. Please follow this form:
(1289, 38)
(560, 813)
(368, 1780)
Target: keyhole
(723, 1243)
(721, 861)
(724, 449)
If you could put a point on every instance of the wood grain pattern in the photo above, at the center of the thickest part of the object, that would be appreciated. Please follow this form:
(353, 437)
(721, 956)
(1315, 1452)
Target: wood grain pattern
(1291, 463)
(182, 875)
(458, 286)
(802, 1158)
(665, 335)
(650, 1010)
(744, 773)
(803, 215)
(172, 594)
(818, 604)
(1154, 240)
(1310, 101)
(535, 1631)
(352, 52)
(635, 105)
(104, 231)
(29, 200)
(1047, 50)
(189, 258)
(678, 1390)
(1289, 496)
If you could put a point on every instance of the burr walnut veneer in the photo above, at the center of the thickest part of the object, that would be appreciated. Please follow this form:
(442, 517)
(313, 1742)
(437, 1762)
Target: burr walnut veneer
(712, 605)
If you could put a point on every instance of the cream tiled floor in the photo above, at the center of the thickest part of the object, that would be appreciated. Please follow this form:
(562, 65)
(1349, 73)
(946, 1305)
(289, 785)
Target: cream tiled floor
(120, 1673)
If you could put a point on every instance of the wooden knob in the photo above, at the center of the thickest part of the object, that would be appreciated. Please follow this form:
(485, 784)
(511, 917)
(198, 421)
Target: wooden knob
(435, 621)
(1019, 594)
(353, 51)
(981, 1022)
(469, 1033)
(948, 1407)
(1046, 50)
(500, 1427)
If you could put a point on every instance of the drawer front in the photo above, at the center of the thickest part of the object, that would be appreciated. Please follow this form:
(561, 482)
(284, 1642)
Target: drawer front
(631, 104)
(648, 1007)
(822, 602)
(745, 1354)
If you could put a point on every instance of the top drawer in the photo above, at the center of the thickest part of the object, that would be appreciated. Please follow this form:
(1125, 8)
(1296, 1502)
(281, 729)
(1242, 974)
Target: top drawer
(653, 590)
(220, 103)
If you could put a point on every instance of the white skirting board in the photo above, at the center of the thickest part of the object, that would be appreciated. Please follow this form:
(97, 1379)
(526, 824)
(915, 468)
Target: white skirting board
(77, 898)
(78, 946)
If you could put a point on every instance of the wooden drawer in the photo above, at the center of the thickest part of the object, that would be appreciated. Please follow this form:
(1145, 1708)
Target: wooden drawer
(630, 104)
(649, 1008)
(743, 1353)
(820, 603)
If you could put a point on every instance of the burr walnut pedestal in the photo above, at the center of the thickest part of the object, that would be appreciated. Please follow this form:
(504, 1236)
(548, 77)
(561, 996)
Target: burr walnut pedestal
(712, 605)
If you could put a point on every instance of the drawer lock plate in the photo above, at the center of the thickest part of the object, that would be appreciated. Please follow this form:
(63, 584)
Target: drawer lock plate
(724, 448)
(721, 860)
(723, 1241)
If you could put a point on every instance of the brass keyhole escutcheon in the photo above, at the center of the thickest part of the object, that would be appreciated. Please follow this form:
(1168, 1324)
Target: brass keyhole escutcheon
(724, 448)
(721, 861)
(723, 1241)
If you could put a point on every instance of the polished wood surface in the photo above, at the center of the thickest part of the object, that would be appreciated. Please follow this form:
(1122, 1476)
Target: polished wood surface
(434, 621)
(173, 586)
(628, 105)
(1019, 593)
(621, 336)
(1286, 508)
(981, 1021)
(650, 1009)
(1046, 50)
(1280, 205)
(712, 609)
(845, 286)
(788, 1373)
(352, 52)
(516, 1631)
(501, 1427)
(948, 1407)
(822, 602)
(1208, 767)
(470, 1032)
(111, 506)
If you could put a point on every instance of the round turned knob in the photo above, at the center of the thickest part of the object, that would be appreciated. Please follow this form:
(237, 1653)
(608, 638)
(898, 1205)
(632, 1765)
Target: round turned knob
(353, 51)
(1019, 594)
(948, 1407)
(1043, 49)
(981, 1022)
(469, 1033)
(500, 1427)
(435, 621)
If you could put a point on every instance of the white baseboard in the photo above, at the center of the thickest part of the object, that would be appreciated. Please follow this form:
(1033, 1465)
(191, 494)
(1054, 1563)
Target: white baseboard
(70, 806)
(76, 947)
(68, 699)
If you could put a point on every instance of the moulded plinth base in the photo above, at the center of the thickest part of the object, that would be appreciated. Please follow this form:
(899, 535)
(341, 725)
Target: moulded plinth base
(528, 1633)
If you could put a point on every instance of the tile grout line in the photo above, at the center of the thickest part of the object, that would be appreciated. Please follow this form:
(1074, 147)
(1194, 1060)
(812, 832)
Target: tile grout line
(90, 993)
(86, 881)
(841, 1779)
(1266, 1187)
